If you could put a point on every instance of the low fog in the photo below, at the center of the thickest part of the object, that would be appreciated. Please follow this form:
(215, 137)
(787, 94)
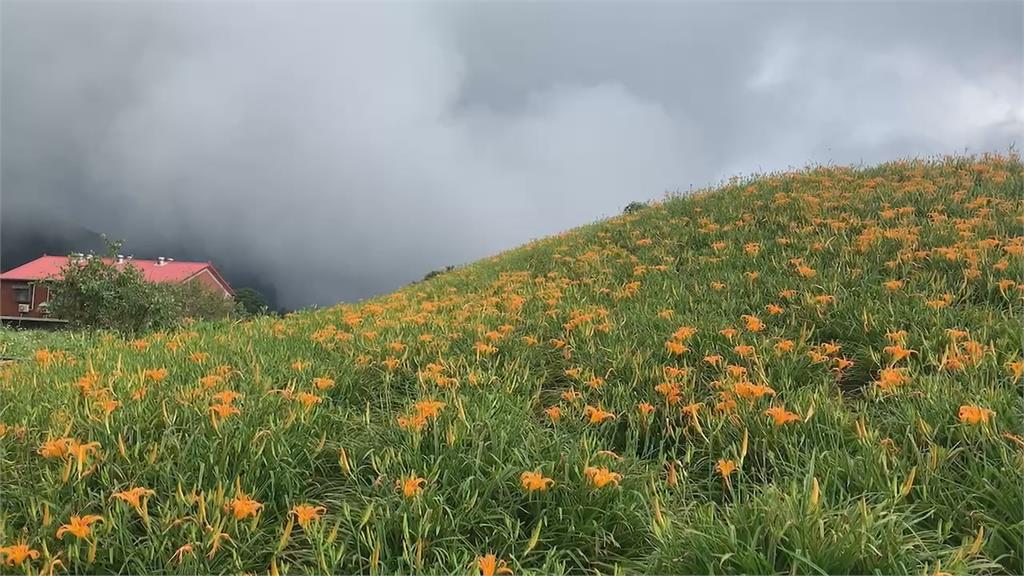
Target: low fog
(332, 151)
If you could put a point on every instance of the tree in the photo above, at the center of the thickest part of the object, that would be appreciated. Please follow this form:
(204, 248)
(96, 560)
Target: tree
(252, 302)
(95, 293)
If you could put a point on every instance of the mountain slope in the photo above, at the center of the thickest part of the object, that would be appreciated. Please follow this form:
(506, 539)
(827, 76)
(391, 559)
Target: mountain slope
(810, 372)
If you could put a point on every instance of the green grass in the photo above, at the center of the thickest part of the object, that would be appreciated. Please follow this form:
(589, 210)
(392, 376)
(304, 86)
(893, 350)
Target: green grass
(904, 485)
(20, 343)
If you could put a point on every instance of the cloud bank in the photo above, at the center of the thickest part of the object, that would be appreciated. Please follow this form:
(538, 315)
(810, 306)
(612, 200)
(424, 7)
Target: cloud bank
(341, 150)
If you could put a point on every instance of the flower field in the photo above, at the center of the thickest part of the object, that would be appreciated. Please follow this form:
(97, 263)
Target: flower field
(810, 372)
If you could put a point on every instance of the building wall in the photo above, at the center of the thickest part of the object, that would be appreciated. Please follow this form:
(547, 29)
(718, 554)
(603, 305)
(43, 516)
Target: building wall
(207, 279)
(9, 306)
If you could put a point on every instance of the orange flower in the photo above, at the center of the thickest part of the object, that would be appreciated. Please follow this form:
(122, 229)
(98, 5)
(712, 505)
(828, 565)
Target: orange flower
(136, 497)
(571, 395)
(489, 565)
(211, 380)
(890, 378)
(224, 410)
(781, 416)
(806, 271)
(415, 422)
(429, 408)
(16, 554)
(753, 323)
(750, 390)
(597, 415)
(601, 477)
(411, 486)
(975, 415)
(675, 348)
(893, 285)
(308, 400)
(684, 333)
(323, 383)
(774, 309)
(535, 481)
(306, 513)
(554, 413)
(713, 359)
(1016, 369)
(645, 409)
(484, 348)
(79, 526)
(898, 352)
(744, 351)
(729, 333)
(219, 412)
(155, 374)
(242, 507)
(784, 346)
(226, 397)
(179, 554)
(57, 448)
(725, 468)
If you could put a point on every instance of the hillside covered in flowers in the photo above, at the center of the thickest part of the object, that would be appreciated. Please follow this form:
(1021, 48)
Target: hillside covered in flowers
(810, 372)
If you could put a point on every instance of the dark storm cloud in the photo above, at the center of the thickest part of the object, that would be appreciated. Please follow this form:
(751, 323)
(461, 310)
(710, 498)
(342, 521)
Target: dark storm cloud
(340, 150)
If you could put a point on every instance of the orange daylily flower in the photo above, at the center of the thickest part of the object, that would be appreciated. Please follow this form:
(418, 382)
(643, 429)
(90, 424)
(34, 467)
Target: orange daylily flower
(890, 378)
(535, 481)
(179, 554)
(597, 415)
(242, 507)
(554, 413)
(57, 448)
(226, 397)
(219, 412)
(155, 374)
(489, 565)
(601, 477)
(79, 526)
(744, 351)
(975, 415)
(571, 395)
(306, 513)
(135, 497)
(323, 383)
(429, 408)
(781, 416)
(725, 468)
(752, 391)
(754, 324)
(675, 348)
(308, 400)
(898, 352)
(411, 486)
(16, 554)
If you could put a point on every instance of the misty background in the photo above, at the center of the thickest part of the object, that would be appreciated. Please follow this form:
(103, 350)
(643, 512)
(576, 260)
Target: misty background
(332, 151)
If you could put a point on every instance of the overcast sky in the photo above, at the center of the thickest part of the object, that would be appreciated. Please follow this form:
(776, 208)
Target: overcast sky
(342, 150)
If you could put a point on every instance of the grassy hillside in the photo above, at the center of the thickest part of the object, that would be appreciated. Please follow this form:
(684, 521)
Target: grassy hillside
(808, 372)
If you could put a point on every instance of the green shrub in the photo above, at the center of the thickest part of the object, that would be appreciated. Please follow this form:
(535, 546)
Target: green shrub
(94, 293)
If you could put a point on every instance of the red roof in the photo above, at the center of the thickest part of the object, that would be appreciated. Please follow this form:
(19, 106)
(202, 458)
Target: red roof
(49, 267)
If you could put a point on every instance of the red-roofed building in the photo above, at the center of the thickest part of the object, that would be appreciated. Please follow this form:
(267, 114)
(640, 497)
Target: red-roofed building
(21, 297)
